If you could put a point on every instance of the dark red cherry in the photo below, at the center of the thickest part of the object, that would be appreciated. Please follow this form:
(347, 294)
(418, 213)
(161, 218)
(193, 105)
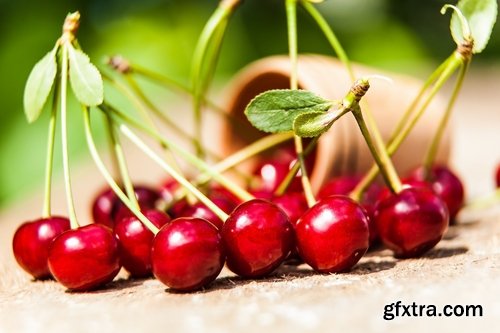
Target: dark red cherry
(135, 241)
(187, 254)
(167, 190)
(498, 176)
(333, 234)
(446, 184)
(257, 237)
(412, 221)
(32, 241)
(146, 197)
(294, 204)
(102, 208)
(85, 258)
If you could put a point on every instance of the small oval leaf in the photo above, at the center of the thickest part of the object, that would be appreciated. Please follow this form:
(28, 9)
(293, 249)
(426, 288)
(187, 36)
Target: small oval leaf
(481, 15)
(85, 79)
(39, 85)
(308, 125)
(274, 111)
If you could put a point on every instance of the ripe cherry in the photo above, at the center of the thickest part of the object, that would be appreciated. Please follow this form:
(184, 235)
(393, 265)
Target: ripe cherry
(412, 221)
(294, 204)
(343, 185)
(135, 241)
(102, 208)
(444, 183)
(257, 237)
(32, 241)
(187, 254)
(85, 258)
(333, 234)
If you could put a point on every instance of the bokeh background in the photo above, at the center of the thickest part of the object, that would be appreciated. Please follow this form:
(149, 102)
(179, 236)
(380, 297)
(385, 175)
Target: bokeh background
(408, 36)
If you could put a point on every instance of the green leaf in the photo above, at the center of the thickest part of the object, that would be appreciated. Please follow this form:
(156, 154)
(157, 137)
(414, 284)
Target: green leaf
(274, 111)
(39, 85)
(481, 16)
(308, 125)
(85, 79)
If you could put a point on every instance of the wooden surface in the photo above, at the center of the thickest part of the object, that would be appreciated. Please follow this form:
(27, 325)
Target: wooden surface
(463, 269)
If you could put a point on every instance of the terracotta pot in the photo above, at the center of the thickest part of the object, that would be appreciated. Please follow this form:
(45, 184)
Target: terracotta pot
(342, 149)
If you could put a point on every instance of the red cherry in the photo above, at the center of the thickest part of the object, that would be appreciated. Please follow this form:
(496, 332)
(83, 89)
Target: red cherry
(187, 254)
(344, 185)
(32, 241)
(412, 221)
(445, 184)
(294, 204)
(498, 176)
(146, 197)
(257, 237)
(102, 208)
(85, 258)
(199, 210)
(135, 240)
(333, 234)
(167, 190)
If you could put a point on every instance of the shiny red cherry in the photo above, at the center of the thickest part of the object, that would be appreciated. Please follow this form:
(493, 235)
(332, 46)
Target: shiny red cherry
(412, 221)
(199, 210)
(32, 241)
(167, 190)
(257, 237)
(294, 204)
(102, 208)
(135, 241)
(343, 185)
(444, 183)
(85, 258)
(333, 234)
(187, 254)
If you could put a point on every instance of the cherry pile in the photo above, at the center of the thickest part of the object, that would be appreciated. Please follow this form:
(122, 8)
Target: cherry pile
(193, 244)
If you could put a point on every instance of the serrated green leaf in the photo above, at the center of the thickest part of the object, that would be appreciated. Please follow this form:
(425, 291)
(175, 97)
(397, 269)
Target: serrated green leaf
(312, 124)
(85, 79)
(274, 111)
(39, 85)
(481, 16)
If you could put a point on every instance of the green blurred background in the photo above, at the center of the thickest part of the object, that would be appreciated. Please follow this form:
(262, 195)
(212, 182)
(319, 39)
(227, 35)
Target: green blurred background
(408, 36)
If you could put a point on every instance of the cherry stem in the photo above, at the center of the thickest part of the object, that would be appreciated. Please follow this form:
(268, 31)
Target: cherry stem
(64, 138)
(329, 35)
(49, 164)
(143, 112)
(179, 178)
(436, 140)
(114, 159)
(207, 50)
(291, 14)
(172, 84)
(122, 163)
(452, 63)
(381, 157)
(190, 158)
(107, 176)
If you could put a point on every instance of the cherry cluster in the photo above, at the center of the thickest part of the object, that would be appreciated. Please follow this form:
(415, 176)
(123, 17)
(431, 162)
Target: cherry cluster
(193, 243)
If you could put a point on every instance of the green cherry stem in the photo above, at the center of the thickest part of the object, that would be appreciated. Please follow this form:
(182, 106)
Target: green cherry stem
(381, 157)
(49, 164)
(452, 64)
(291, 14)
(122, 163)
(107, 176)
(436, 140)
(190, 158)
(112, 155)
(179, 178)
(64, 138)
(205, 59)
